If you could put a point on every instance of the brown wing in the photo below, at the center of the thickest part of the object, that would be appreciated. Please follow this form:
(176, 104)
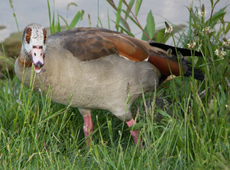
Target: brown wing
(92, 43)
(89, 43)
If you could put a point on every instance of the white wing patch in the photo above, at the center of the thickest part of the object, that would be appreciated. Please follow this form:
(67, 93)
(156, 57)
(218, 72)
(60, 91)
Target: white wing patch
(132, 60)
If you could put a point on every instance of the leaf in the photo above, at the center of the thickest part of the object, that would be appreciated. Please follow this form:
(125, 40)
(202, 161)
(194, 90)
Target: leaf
(144, 37)
(163, 113)
(72, 3)
(99, 20)
(112, 4)
(227, 28)
(160, 35)
(58, 25)
(108, 18)
(52, 27)
(133, 20)
(64, 21)
(123, 29)
(150, 25)
(137, 6)
(128, 9)
(49, 11)
(118, 16)
(219, 14)
(211, 3)
(216, 16)
(76, 19)
(125, 24)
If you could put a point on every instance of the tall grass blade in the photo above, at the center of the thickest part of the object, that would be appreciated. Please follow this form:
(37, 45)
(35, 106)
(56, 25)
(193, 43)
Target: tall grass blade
(137, 6)
(49, 11)
(150, 25)
(216, 16)
(118, 16)
(76, 19)
(127, 12)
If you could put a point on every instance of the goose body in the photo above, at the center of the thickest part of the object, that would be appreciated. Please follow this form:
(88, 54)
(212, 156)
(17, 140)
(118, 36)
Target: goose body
(96, 68)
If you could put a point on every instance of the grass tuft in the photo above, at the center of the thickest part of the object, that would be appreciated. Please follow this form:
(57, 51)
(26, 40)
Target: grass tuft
(190, 130)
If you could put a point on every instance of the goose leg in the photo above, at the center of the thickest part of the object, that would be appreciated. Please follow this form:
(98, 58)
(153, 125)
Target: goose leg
(88, 124)
(134, 133)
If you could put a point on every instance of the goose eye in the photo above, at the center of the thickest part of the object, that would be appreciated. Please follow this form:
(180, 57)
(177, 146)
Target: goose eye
(44, 38)
(27, 38)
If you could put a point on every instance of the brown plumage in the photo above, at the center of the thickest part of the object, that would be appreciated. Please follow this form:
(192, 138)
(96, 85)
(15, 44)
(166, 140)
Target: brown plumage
(99, 68)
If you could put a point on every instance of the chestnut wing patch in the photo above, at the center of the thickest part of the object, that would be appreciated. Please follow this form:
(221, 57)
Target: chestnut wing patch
(167, 65)
(87, 47)
(94, 43)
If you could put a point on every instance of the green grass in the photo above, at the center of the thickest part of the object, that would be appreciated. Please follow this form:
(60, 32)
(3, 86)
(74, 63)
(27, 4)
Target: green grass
(36, 133)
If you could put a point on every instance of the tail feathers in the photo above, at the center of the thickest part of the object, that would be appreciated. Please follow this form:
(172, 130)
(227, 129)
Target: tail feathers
(197, 73)
(183, 51)
(170, 65)
(167, 61)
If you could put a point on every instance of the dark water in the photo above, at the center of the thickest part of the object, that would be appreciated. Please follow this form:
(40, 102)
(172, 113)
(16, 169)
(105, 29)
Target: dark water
(28, 11)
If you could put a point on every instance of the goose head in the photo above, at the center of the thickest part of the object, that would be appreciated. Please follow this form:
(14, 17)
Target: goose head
(34, 45)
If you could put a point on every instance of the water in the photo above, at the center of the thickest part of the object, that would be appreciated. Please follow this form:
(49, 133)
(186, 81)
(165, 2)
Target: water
(29, 11)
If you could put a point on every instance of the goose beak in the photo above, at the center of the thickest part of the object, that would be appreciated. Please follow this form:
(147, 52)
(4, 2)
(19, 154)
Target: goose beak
(37, 55)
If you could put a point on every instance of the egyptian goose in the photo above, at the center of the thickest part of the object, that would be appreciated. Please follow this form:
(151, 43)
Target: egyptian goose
(97, 68)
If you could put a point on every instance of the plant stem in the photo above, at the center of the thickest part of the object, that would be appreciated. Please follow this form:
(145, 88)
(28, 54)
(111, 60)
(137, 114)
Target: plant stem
(137, 21)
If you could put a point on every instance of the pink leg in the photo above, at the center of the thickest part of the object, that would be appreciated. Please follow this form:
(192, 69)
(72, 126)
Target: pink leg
(134, 133)
(88, 127)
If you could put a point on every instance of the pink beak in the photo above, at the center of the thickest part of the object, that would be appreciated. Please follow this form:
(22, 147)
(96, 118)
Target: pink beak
(37, 56)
